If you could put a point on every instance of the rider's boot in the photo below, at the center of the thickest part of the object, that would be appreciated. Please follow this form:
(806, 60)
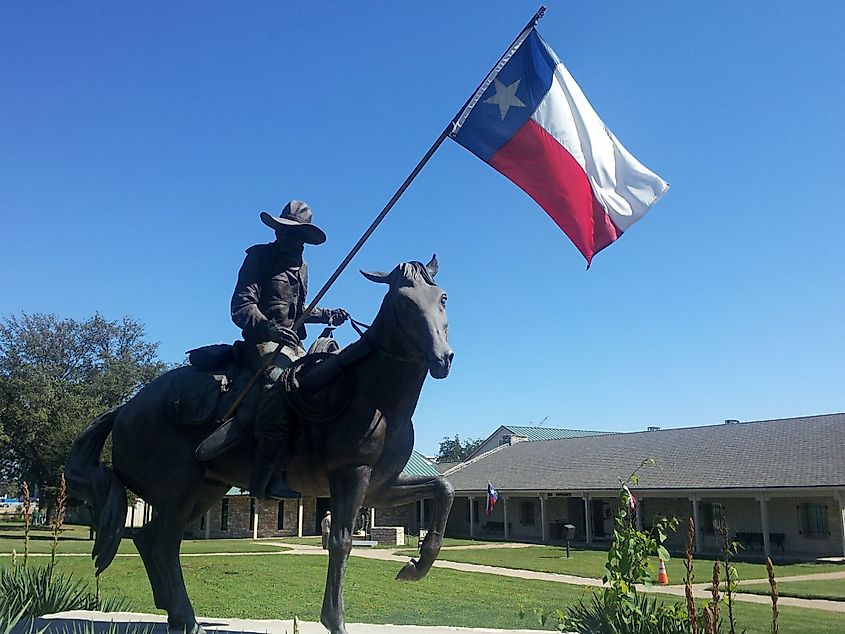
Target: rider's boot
(265, 481)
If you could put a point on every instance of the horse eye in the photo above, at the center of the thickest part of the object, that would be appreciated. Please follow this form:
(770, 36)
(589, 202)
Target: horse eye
(442, 300)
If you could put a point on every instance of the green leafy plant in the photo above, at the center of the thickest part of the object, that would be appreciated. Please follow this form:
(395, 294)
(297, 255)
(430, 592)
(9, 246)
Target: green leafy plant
(618, 607)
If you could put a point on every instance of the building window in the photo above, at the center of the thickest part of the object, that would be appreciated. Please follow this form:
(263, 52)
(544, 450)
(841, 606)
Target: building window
(426, 512)
(505, 440)
(280, 517)
(527, 512)
(814, 520)
(224, 515)
(251, 513)
(713, 517)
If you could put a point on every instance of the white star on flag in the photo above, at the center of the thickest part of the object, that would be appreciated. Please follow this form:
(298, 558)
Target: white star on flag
(505, 97)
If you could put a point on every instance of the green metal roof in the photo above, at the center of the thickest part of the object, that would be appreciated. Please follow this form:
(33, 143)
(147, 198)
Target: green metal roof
(552, 433)
(419, 465)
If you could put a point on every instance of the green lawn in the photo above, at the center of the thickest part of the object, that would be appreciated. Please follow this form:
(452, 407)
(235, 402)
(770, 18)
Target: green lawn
(590, 563)
(833, 589)
(74, 540)
(279, 587)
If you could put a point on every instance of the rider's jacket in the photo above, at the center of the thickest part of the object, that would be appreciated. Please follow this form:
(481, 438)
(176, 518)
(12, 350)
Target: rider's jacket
(271, 286)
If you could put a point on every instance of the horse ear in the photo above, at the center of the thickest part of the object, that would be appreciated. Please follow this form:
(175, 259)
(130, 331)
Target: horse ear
(377, 276)
(433, 266)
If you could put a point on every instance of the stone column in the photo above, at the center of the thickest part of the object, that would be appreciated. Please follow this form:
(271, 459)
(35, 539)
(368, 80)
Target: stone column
(300, 512)
(841, 499)
(372, 517)
(764, 523)
(208, 524)
(696, 501)
(471, 517)
(505, 509)
(588, 524)
(255, 519)
(543, 535)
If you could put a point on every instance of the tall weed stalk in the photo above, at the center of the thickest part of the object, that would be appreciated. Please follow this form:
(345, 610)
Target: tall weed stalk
(58, 520)
(27, 522)
(688, 578)
(773, 584)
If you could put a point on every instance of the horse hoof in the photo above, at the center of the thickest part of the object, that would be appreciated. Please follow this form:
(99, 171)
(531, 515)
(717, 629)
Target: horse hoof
(334, 629)
(196, 628)
(409, 572)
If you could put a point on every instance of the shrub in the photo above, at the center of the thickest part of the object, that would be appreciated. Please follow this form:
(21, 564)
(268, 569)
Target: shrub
(34, 591)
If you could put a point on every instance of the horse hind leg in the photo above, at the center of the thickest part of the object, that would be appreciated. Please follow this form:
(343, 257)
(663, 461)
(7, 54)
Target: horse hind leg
(158, 543)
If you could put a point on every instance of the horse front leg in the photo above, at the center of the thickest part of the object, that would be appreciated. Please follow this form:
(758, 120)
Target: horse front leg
(347, 488)
(407, 489)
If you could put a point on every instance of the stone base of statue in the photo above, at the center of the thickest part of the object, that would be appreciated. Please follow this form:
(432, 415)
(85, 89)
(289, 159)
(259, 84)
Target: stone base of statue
(134, 623)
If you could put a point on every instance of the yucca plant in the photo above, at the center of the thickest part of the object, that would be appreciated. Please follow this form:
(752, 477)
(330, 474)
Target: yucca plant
(34, 591)
(646, 615)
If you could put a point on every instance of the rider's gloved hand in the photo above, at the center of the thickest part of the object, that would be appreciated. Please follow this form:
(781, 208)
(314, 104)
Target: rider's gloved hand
(280, 334)
(338, 316)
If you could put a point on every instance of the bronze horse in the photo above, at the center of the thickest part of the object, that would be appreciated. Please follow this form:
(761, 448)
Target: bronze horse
(357, 457)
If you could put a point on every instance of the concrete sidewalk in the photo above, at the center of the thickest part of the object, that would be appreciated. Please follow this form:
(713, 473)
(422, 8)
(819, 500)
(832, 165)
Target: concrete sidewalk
(157, 624)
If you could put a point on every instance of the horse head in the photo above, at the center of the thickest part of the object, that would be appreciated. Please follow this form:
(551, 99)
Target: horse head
(412, 320)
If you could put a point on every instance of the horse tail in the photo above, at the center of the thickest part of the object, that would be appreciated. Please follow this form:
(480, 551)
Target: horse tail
(90, 480)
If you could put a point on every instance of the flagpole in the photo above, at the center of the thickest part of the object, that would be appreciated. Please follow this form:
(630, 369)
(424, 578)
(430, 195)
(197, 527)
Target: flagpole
(450, 129)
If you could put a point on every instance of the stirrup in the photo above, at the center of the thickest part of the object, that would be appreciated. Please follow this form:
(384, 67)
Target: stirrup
(278, 489)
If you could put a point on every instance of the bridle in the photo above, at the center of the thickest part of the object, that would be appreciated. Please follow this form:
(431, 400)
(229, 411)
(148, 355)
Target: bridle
(363, 331)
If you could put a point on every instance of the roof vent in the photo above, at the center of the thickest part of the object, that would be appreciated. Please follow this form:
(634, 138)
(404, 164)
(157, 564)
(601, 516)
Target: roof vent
(731, 421)
(654, 428)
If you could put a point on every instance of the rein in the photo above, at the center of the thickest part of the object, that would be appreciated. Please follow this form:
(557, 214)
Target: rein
(363, 331)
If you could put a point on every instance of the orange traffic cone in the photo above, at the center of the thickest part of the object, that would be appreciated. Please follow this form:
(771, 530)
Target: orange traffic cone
(662, 577)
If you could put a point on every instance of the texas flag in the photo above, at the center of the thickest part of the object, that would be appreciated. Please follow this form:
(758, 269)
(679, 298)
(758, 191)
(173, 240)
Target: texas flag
(492, 498)
(531, 122)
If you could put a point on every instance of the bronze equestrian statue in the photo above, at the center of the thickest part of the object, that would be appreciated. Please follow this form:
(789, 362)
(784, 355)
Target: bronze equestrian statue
(355, 453)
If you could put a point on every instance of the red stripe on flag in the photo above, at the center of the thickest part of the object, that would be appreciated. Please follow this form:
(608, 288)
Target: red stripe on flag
(539, 165)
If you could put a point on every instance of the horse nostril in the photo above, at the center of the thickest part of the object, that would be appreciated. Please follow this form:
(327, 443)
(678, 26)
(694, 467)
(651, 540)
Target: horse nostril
(450, 356)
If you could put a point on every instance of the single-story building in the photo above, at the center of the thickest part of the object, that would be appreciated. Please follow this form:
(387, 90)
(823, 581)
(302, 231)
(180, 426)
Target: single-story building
(777, 485)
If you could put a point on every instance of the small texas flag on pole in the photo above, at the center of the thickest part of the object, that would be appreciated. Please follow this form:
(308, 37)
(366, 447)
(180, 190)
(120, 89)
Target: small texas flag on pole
(530, 121)
(492, 497)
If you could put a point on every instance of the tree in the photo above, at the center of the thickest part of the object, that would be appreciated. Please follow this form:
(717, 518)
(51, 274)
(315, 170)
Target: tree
(56, 375)
(453, 450)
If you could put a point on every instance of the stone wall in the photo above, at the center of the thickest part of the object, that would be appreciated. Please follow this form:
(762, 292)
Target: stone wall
(230, 518)
(388, 535)
(404, 516)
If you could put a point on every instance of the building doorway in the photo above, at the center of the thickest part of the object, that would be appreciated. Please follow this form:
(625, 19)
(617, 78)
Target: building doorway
(597, 513)
(323, 505)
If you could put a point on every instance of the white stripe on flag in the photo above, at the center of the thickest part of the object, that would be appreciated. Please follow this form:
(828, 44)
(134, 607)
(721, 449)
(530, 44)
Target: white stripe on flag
(624, 186)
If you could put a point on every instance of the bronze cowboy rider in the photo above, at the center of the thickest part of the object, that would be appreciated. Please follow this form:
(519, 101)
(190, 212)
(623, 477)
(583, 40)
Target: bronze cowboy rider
(269, 297)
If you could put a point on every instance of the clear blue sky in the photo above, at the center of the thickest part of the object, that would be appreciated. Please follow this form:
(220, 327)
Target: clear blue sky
(141, 140)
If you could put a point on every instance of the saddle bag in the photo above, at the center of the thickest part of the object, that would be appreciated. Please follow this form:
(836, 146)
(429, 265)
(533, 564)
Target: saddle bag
(213, 357)
(194, 396)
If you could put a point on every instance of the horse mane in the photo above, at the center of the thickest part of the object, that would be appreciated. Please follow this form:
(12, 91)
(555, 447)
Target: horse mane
(415, 271)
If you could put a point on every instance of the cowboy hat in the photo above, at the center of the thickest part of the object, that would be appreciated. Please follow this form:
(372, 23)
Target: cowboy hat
(296, 214)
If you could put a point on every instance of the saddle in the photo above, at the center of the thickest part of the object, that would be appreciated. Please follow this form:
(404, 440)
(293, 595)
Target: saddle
(308, 386)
